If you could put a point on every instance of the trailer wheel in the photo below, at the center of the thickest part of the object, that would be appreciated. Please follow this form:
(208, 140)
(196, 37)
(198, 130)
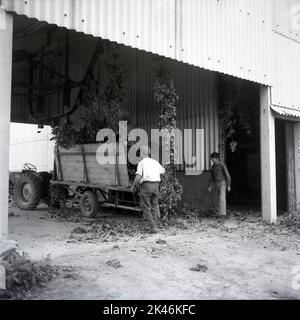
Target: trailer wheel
(28, 191)
(89, 204)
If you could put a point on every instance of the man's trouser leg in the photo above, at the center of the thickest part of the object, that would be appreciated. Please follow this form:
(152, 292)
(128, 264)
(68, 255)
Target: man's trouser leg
(154, 202)
(145, 198)
(221, 189)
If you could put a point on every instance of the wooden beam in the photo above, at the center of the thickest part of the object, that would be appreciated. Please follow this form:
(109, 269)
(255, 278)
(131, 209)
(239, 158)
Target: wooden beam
(268, 157)
(6, 39)
(297, 163)
(290, 162)
(84, 165)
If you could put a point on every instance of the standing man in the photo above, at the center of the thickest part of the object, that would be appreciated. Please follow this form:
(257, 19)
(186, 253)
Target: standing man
(220, 177)
(147, 179)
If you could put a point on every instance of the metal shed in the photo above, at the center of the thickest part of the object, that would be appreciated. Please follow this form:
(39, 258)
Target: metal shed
(257, 40)
(253, 40)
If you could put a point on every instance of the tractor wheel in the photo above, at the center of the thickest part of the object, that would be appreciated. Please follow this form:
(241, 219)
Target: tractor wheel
(28, 191)
(89, 204)
(58, 195)
(46, 177)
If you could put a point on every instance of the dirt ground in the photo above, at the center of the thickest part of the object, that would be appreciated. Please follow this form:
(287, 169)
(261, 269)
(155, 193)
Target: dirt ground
(241, 258)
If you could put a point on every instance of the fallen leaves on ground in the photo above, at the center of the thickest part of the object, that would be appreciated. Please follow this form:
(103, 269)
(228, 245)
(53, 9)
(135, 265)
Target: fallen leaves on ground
(244, 225)
(291, 221)
(199, 268)
(115, 263)
(24, 275)
(66, 215)
(161, 241)
(79, 230)
(154, 251)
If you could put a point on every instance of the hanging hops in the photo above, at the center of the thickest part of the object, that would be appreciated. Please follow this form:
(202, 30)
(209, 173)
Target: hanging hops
(165, 96)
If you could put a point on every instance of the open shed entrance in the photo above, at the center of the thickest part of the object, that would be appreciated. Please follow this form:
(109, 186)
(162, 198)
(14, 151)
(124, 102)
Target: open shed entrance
(239, 102)
(281, 165)
(60, 62)
(52, 66)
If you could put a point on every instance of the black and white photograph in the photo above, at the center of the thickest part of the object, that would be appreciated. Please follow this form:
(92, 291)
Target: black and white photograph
(149, 151)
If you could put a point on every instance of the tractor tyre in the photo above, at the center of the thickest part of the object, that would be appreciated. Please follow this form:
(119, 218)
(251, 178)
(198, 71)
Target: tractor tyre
(46, 177)
(28, 191)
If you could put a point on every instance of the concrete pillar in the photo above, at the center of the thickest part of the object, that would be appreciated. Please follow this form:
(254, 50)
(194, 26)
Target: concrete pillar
(268, 157)
(6, 38)
(297, 163)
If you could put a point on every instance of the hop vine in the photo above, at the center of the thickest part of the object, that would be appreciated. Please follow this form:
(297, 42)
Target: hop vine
(166, 97)
(114, 96)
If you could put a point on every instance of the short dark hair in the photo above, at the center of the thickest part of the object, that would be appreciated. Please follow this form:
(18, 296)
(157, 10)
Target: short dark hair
(215, 155)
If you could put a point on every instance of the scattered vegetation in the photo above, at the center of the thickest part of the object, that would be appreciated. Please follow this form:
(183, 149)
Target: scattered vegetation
(291, 221)
(112, 101)
(235, 111)
(24, 275)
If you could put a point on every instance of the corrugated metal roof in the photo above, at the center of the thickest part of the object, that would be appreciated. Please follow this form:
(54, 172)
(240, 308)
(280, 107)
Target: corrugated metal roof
(227, 36)
(286, 112)
(256, 40)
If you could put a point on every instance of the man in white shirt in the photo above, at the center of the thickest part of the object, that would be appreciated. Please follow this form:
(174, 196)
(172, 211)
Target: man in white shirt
(148, 178)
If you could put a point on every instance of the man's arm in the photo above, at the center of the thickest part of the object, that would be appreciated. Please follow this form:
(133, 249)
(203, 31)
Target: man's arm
(210, 181)
(162, 170)
(136, 183)
(228, 177)
(138, 178)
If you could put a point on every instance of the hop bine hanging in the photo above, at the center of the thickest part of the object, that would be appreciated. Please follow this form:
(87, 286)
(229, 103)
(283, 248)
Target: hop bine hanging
(165, 96)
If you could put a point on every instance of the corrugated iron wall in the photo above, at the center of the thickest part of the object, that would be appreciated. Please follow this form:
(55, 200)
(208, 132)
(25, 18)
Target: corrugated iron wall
(286, 52)
(286, 16)
(286, 79)
(19, 101)
(197, 105)
(197, 89)
(236, 37)
(226, 36)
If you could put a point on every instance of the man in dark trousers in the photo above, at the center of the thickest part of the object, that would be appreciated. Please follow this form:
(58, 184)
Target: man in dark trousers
(220, 177)
(147, 179)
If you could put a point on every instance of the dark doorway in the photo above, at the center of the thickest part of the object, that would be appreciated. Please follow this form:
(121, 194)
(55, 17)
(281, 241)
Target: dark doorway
(240, 101)
(281, 165)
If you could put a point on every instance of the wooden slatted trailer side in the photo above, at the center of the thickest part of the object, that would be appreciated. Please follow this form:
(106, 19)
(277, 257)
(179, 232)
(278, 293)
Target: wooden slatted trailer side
(106, 185)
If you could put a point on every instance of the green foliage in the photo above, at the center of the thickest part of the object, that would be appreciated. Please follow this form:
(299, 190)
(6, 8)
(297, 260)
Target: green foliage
(165, 96)
(90, 123)
(64, 134)
(63, 130)
(170, 193)
(291, 221)
(24, 275)
(234, 113)
(113, 100)
(114, 95)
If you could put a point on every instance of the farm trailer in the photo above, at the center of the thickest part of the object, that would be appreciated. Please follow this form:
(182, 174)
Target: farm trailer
(77, 176)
